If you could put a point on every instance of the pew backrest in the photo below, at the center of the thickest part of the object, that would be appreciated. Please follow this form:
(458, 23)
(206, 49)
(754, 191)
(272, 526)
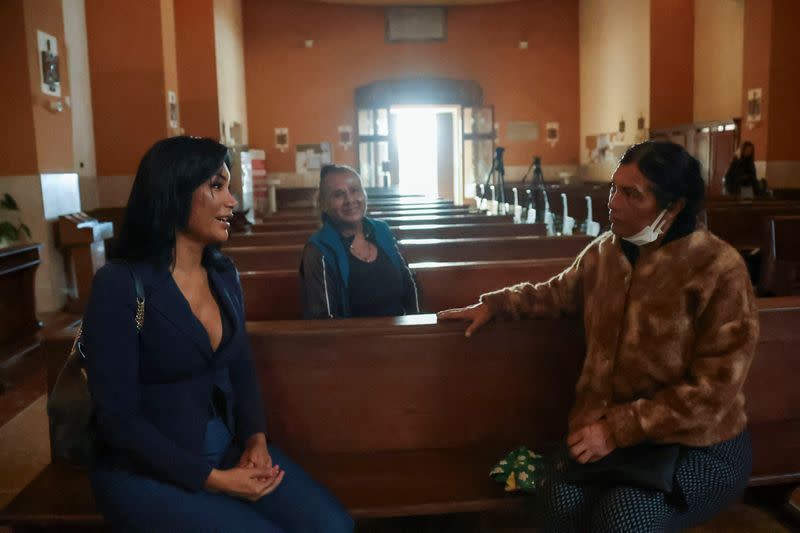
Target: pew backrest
(286, 257)
(275, 295)
(422, 231)
(780, 259)
(408, 383)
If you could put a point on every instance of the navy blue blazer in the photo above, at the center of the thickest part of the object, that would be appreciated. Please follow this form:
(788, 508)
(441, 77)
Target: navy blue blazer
(152, 389)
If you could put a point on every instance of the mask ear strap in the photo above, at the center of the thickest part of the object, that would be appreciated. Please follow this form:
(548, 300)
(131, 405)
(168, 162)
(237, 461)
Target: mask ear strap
(659, 222)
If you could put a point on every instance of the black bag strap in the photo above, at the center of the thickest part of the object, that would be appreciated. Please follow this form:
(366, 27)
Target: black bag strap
(139, 288)
(138, 318)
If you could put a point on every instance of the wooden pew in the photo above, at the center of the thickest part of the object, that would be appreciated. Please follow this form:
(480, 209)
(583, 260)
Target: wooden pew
(448, 285)
(283, 225)
(463, 231)
(416, 251)
(576, 198)
(780, 267)
(384, 213)
(275, 294)
(742, 225)
(374, 211)
(492, 249)
(289, 197)
(370, 407)
(422, 231)
(301, 223)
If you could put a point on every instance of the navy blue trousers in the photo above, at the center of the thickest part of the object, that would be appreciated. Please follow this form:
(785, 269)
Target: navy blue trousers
(133, 503)
(707, 480)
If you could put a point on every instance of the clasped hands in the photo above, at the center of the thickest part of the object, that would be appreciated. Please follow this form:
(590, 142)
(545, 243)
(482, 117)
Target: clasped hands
(253, 477)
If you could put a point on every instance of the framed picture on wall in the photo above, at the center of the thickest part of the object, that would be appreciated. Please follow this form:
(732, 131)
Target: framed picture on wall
(48, 61)
(409, 24)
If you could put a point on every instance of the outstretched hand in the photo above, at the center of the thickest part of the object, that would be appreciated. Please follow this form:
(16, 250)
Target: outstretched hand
(477, 315)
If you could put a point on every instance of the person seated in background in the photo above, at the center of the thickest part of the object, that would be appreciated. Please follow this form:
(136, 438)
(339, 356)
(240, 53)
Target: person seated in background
(741, 179)
(352, 266)
(178, 412)
(671, 326)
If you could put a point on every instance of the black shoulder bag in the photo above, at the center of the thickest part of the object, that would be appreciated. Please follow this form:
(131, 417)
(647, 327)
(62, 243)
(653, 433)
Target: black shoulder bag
(69, 406)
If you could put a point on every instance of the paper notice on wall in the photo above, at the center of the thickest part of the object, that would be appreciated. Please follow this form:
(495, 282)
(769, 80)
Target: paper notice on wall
(172, 106)
(282, 139)
(48, 63)
(311, 157)
(346, 136)
(552, 130)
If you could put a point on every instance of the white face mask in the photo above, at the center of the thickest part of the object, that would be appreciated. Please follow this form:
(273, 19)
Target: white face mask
(648, 233)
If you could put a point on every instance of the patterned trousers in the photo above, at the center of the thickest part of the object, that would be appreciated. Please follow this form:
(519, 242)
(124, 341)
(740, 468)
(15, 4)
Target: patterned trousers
(706, 481)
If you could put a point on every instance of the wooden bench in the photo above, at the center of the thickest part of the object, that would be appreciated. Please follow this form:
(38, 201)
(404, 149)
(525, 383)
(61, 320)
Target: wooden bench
(780, 267)
(287, 257)
(371, 407)
(742, 225)
(422, 231)
(282, 225)
(291, 197)
(377, 212)
(383, 212)
(275, 295)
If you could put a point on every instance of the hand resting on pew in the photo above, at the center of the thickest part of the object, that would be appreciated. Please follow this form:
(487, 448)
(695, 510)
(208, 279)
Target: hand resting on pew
(477, 315)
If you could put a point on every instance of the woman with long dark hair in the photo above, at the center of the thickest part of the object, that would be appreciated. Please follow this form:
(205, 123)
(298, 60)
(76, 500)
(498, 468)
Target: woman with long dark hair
(180, 425)
(671, 327)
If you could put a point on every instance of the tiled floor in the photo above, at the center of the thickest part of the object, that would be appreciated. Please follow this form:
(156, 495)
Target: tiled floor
(24, 449)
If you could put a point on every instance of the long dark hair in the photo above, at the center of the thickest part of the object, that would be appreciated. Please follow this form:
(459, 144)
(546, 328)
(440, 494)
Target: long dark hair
(673, 174)
(161, 199)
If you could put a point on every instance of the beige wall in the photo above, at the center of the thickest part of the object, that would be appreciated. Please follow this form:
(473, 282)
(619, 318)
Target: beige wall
(229, 40)
(81, 100)
(719, 42)
(168, 48)
(53, 129)
(614, 68)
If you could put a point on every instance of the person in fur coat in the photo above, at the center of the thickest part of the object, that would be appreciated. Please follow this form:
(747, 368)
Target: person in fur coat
(671, 327)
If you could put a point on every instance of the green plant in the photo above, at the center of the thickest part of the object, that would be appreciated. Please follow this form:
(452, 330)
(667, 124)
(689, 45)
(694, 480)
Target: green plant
(9, 231)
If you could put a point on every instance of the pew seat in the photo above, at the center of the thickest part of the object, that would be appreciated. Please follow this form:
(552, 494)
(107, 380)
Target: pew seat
(369, 485)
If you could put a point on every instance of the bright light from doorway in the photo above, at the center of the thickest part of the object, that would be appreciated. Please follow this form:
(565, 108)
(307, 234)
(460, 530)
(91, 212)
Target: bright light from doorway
(416, 146)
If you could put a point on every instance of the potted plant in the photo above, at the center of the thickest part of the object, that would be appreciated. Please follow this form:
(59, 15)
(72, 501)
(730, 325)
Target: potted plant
(9, 232)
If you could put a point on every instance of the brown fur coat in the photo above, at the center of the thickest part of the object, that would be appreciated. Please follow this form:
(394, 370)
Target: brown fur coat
(669, 341)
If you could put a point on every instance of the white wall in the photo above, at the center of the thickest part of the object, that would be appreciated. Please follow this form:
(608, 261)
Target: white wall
(229, 42)
(614, 70)
(718, 52)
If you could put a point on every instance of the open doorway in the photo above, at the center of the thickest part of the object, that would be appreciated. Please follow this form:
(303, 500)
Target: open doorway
(428, 150)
